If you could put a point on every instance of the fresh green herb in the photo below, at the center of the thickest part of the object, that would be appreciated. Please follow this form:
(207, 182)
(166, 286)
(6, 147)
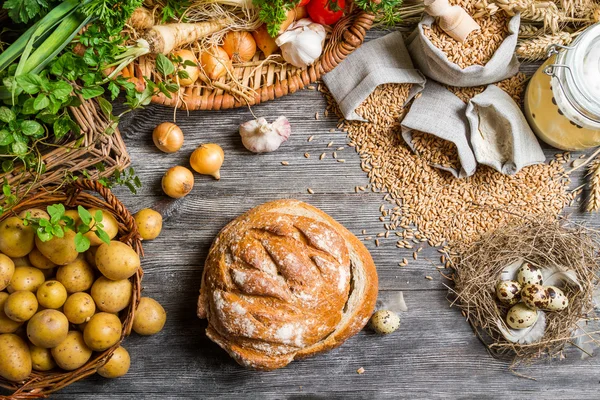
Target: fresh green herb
(59, 224)
(274, 13)
(385, 10)
(174, 10)
(23, 11)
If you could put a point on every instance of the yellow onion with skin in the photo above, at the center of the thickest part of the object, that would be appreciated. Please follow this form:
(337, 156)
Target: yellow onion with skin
(240, 46)
(215, 63)
(208, 159)
(177, 182)
(193, 71)
(168, 137)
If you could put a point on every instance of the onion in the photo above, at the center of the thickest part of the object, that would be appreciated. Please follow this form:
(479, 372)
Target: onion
(207, 160)
(192, 71)
(240, 46)
(168, 137)
(177, 182)
(215, 63)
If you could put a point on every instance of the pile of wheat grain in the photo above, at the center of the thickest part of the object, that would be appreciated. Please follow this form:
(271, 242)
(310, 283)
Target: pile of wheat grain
(440, 206)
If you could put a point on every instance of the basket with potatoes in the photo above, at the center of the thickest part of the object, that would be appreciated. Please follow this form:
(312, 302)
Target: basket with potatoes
(70, 288)
(527, 289)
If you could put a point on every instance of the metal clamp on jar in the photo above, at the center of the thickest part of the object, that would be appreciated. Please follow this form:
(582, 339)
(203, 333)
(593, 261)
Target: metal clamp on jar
(562, 102)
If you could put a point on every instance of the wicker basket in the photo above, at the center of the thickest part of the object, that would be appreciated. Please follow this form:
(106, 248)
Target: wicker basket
(41, 384)
(83, 153)
(267, 80)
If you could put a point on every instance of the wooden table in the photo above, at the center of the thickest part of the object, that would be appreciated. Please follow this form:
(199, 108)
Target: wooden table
(433, 355)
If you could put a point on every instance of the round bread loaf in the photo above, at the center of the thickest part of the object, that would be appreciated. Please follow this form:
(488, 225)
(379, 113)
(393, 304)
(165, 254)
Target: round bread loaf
(285, 281)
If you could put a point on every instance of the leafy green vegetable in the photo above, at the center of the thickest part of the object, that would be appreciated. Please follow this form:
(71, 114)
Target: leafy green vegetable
(23, 11)
(385, 10)
(173, 10)
(274, 13)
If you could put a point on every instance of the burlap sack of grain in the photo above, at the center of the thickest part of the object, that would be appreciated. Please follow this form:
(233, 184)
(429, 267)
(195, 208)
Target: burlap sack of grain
(500, 135)
(434, 63)
(377, 62)
(489, 130)
(439, 112)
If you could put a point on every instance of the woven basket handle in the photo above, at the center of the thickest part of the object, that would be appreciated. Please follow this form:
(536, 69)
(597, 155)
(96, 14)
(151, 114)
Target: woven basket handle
(132, 237)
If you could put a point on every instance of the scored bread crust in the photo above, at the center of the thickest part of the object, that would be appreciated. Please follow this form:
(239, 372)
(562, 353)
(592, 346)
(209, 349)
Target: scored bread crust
(285, 281)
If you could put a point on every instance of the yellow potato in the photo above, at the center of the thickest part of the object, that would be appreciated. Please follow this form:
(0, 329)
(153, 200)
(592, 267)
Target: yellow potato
(109, 225)
(7, 269)
(90, 256)
(7, 325)
(26, 278)
(117, 260)
(149, 223)
(72, 353)
(22, 261)
(117, 365)
(38, 260)
(41, 358)
(16, 239)
(79, 308)
(34, 213)
(15, 361)
(112, 296)
(21, 306)
(150, 317)
(49, 273)
(47, 328)
(77, 276)
(52, 294)
(60, 251)
(102, 331)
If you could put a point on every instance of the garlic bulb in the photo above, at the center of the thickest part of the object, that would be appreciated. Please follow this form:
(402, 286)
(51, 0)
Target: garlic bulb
(259, 136)
(302, 43)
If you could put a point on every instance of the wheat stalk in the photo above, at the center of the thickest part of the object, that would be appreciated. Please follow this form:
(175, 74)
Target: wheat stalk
(593, 203)
(536, 48)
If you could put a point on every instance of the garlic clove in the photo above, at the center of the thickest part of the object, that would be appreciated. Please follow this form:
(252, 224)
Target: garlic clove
(259, 136)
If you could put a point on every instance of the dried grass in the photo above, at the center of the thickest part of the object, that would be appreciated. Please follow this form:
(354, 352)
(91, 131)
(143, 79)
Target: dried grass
(544, 242)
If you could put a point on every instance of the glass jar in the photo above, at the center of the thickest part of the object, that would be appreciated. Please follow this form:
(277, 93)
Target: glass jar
(562, 102)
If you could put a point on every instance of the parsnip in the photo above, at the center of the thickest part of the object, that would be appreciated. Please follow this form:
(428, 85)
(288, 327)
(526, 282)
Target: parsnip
(166, 38)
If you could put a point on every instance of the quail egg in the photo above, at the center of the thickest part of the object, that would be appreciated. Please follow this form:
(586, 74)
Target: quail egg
(529, 274)
(535, 296)
(558, 300)
(508, 292)
(520, 316)
(384, 322)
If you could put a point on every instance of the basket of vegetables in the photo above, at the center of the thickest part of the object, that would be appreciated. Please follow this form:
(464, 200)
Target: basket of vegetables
(232, 53)
(70, 283)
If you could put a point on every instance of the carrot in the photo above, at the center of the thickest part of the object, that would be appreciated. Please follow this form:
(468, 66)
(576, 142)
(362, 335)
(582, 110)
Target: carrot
(166, 38)
(264, 41)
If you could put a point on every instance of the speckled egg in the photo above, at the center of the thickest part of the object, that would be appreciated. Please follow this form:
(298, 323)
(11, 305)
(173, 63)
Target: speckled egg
(529, 274)
(520, 316)
(558, 300)
(508, 292)
(384, 322)
(535, 296)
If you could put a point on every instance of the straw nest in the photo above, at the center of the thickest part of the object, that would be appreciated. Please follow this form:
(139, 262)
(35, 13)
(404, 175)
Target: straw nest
(563, 246)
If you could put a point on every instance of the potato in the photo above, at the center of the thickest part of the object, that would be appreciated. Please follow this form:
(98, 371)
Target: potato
(149, 223)
(109, 225)
(41, 358)
(52, 294)
(72, 353)
(15, 361)
(47, 328)
(7, 325)
(21, 306)
(34, 213)
(26, 278)
(49, 273)
(150, 317)
(117, 260)
(38, 260)
(22, 261)
(7, 269)
(79, 308)
(102, 331)
(117, 365)
(112, 296)
(77, 276)
(90, 256)
(16, 239)
(74, 215)
(60, 251)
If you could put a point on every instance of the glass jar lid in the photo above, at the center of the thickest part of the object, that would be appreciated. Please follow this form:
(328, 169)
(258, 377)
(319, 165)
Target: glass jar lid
(577, 69)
